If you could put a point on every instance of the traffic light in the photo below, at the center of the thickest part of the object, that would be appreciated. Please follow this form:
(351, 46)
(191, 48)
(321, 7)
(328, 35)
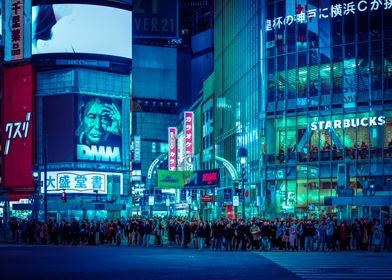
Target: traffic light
(194, 194)
(146, 194)
(227, 193)
(183, 195)
(64, 197)
(158, 196)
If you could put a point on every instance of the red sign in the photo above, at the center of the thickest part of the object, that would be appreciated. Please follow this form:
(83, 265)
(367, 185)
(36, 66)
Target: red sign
(207, 198)
(209, 178)
(172, 148)
(17, 129)
(188, 128)
(17, 29)
(230, 212)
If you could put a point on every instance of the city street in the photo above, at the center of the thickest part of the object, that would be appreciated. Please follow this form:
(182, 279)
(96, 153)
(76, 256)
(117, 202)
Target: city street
(110, 262)
(107, 262)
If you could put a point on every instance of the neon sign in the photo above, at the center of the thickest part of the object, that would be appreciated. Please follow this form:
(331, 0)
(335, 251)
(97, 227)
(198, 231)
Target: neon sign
(304, 15)
(98, 153)
(346, 123)
(16, 130)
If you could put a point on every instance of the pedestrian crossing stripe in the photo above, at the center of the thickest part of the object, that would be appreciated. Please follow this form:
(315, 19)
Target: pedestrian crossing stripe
(320, 265)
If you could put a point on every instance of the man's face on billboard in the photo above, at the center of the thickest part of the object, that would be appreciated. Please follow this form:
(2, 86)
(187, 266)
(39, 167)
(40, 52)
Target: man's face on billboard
(96, 122)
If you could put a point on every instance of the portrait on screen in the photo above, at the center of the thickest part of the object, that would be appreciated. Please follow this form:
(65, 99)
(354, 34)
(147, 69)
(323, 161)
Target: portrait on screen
(99, 129)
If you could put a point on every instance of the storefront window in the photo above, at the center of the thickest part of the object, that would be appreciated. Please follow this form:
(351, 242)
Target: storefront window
(388, 65)
(302, 193)
(313, 192)
(363, 69)
(292, 83)
(388, 135)
(376, 65)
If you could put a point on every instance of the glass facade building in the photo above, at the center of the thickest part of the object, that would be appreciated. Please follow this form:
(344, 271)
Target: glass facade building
(327, 78)
(237, 90)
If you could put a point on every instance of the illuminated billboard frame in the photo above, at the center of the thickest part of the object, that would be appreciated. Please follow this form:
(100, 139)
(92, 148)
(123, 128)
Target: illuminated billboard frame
(99, 128)
(80, 182)
(16, 36)
(17, 129)
(172, 157)
(188, 128)
(81, 29)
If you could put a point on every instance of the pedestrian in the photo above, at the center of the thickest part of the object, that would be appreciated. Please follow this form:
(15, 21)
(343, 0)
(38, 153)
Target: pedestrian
(309, 231)
(200, 235)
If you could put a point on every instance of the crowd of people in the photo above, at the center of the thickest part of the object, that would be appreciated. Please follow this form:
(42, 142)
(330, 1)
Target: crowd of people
(220, 235)
(327, 152)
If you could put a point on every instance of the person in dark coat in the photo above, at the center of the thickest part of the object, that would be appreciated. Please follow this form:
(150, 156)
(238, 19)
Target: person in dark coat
(207, 229)
(187, 234)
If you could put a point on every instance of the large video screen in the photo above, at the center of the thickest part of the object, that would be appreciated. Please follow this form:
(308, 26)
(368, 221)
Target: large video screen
(81, 28)
(99, 129)
(57, 117)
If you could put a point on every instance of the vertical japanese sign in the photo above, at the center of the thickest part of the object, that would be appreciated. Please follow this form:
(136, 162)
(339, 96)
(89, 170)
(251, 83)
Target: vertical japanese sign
(188, 129)
(172, 148)
(137, 148)
(17, 125)
(17, 22)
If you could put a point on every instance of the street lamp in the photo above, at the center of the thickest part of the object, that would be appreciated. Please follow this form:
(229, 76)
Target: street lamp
(35, 174)
(242, 155)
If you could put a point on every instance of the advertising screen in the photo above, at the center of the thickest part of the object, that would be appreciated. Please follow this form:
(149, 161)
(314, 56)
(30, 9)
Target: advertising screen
(58, 124)
(17, 129)
(82, 182)
(81, 28)
(98, 129)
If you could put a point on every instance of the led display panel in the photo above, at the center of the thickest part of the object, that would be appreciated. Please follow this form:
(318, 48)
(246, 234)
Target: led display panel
(81, 28)
(58, 124)
(17, 129)
(99, 129)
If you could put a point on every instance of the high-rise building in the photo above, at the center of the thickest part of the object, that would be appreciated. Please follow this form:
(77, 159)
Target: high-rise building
(305, 86)
(65, 107)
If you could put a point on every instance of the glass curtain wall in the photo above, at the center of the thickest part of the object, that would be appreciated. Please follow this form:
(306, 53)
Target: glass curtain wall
(328, 87)
(237, 73)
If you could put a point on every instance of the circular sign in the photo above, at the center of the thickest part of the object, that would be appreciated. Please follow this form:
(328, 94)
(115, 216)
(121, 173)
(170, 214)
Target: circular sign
(246, 193)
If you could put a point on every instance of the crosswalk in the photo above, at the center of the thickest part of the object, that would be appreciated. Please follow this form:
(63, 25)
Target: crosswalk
(334, 265)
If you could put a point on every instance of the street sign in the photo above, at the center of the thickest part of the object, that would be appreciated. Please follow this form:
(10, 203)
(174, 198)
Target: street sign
(22, 206)
(236, 200)
(167, 202)
(207, 198)
(150, 200)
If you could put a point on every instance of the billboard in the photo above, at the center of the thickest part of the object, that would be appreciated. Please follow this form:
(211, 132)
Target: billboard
(197, 179)
(98, 131)
(304, 14)
(81, 28)
(154, 72)
(155, 19)
(58, 124)
(16, 34)
(17, 128)
(188, 128)
(172, 158)
(81, 182)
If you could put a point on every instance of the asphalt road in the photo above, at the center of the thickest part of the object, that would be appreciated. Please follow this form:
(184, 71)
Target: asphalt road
(109, 262)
